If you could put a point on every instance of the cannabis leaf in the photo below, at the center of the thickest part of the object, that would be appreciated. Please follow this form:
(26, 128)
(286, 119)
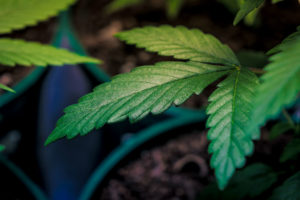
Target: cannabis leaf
(14, 52)
(246, 8)
(229, 112)
(181, 43)
(16, 14)
(152, 89)
(289, 190)
(146, 89)
(252, 176)
(280, 85)
(4, 87)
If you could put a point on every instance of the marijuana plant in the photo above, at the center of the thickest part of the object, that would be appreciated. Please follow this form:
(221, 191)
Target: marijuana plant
(15, 15)
(237, 109)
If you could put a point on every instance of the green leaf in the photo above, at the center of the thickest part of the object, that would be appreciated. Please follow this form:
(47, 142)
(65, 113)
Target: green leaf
(14, 52)
(280, 85)
(2, 147)
(117, 5)
(180, 42)
(146, 89)
(289, 190)
(173, 7)
(286, 42)
(229, 112)
(246, 8)
(291, 151)
(17, 14)
(279, 129)
(258, 177)
(4, 87)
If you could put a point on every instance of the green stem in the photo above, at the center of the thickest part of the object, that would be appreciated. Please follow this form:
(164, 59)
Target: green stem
(35, 190)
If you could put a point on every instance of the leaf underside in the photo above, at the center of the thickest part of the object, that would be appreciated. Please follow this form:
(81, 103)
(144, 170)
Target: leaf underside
(229, 111)
(13, 52)
(146, 89)
(181, 43)
(280, 85)
(16, 14)
(246, 8)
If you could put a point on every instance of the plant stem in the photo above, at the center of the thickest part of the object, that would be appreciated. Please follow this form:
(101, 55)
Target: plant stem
(288, 118)
(257, 70)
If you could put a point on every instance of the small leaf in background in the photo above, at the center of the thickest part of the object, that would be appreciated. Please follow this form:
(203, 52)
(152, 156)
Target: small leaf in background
(279, 129)
(147, 89)
(17, 14)
(117, 5)
(291, 151)
(251, 182)
(286, 42)
(173, 8)
(180, 42)
(280, 85)
(4, 87)
(13, 52)
(289, 190)
(246, 8)
(229, 109)
(2, 147)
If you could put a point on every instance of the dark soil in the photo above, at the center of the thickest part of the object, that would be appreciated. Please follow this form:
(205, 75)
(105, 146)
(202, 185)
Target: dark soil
(42, 33)
(179, 169)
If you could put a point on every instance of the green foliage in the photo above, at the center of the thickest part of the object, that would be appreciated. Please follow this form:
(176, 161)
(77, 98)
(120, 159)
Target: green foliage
(16, 14)
(153, 89)
(249, 182)
(181, 43)
(246, 8)
(14, 52)
(117, 5)
(280, 84)
(291, 151)
(4, 87)
(2, 147)
(146, 89)
(173, 8)
(229, 110)
(289, 190)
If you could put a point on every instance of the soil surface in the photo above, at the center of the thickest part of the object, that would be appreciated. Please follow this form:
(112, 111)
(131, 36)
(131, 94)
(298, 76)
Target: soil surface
(42, 33)
(179, 169)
